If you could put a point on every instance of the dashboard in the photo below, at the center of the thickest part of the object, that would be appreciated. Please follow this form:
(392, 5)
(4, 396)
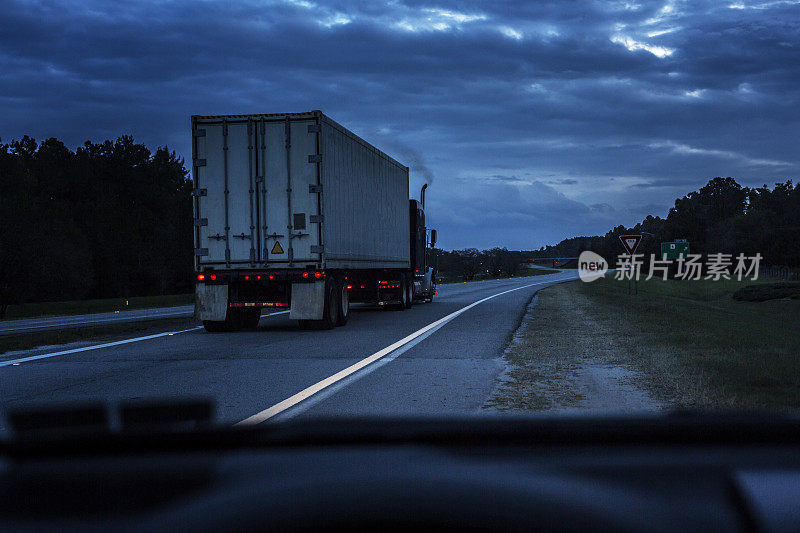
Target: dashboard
(653, 474)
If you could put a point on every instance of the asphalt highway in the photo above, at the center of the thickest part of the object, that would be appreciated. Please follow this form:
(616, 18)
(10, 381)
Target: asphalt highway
(27, 325)
(439, 357)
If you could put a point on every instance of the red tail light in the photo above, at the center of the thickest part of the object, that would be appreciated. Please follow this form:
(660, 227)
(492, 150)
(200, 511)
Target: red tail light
(258, 277)
(212, 277)
(201, 277)
(247, 277)
(349, 287)
(305, 275)
(317, 275)
(436, 293)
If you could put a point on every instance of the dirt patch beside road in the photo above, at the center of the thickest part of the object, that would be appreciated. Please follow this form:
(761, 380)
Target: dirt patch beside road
(676, 343)
(561, 358)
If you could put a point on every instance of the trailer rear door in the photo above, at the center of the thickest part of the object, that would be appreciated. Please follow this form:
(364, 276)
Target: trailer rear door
(289, 198)
(224, 165)
(257, 189)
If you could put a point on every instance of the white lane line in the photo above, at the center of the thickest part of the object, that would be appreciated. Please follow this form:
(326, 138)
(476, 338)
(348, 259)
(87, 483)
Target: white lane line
(106, 345)
(95, 347)
(342, 374)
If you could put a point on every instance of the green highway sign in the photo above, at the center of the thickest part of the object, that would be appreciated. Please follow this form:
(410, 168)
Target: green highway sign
(673, 250)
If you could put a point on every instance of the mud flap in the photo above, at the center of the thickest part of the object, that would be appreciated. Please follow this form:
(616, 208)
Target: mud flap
(308, 301)
(211, 302)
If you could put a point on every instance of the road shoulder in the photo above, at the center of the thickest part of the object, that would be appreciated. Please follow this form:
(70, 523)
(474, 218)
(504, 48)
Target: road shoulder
(562, 359)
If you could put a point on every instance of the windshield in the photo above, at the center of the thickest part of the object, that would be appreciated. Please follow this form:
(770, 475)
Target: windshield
(327, 209)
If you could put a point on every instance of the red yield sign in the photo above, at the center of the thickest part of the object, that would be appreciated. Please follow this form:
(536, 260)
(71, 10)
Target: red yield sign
(630, 242)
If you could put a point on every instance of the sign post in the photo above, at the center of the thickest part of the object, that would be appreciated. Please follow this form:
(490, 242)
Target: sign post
(631, 243)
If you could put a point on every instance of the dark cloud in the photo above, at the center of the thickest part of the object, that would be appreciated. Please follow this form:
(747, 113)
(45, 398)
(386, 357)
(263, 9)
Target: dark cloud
(506, 179)
(620, 104)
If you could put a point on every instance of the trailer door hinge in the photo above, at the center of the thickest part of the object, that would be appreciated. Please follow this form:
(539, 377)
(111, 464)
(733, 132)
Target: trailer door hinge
(313, 128)
(315, 158)
(200, 192)
(200, 251)
(199, 133)
(316, 248)
(199, 162)
(315, 219)
(200, 222)
(312, 189)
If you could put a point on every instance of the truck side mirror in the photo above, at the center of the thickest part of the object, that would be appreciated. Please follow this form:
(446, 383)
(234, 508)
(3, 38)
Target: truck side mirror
(433, 238)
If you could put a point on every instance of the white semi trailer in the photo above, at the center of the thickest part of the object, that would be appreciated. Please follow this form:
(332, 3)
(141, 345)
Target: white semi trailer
(294, 211)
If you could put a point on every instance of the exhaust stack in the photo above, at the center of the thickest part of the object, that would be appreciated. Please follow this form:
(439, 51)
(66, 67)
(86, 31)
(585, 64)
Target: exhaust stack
(422, 196)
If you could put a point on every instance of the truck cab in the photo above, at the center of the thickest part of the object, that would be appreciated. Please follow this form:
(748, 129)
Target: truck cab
(424, 273)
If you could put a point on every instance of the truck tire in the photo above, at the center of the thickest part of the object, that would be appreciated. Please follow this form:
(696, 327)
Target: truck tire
(403, 293)
(344, 305)
(409, 292)
(233, 322)
(250, 318)
(331, 312)
(214, 326)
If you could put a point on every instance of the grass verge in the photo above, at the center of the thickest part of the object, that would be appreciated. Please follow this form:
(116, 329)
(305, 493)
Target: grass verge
(694, 345)
(768, 291)
(84, 307)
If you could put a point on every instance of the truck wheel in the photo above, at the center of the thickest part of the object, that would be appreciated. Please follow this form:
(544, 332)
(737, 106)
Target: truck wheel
(250, 318)
(344, 305)
(233, 322)
(403, 293)
(214, 326)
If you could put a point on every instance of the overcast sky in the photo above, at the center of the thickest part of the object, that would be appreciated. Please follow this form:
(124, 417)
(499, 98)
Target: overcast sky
(535, 121)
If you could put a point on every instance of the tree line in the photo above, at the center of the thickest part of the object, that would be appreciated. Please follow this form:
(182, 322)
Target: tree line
(114, 219)
(722, 216)
(109, 219)
(471, 264)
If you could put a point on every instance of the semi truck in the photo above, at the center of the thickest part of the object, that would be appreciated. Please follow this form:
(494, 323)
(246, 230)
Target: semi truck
(292, 211)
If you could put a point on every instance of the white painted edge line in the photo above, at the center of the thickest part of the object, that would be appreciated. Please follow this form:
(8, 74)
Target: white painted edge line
(95, 347)
(333, 389)
(106, 345)
(342, 374)
(339, 385)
